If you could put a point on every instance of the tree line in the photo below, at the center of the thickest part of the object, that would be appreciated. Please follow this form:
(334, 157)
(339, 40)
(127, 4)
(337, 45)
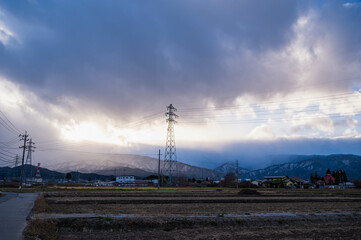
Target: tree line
(339, 175)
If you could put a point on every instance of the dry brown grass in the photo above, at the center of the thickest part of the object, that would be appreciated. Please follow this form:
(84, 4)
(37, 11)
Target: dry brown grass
(158, 218)
(207, 209)
(313, 227)
(41, 205)
(200, 203)
(41, 229)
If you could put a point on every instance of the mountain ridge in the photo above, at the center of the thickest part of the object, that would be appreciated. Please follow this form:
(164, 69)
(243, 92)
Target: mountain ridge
(320, 163)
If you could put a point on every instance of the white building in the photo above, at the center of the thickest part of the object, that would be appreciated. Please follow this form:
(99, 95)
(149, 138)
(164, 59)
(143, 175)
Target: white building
(125, 179)
(255, 182)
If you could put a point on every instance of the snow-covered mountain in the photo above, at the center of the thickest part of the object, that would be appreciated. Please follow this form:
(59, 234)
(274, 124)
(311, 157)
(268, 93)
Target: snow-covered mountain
(144, 166)
(349, 163)
(231, 167)
(130, 165)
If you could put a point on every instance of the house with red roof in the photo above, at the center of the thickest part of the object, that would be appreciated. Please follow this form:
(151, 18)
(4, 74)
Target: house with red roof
(329, 179)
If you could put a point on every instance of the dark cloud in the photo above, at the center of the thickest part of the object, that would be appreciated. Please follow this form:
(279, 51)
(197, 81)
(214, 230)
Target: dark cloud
(123, 57)
(118, 55)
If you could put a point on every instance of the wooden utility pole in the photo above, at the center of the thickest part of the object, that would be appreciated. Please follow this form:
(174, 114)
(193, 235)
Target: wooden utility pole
(25, 139)
(236, 173)
(159, 169)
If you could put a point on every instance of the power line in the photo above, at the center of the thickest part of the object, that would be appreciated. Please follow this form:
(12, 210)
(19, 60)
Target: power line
(8, 125)
(6, 165)
(7, 128)
(261, 113)
(7, 160)
(145, 119)
(98, 153)
(6, 154)
(6, 151)
(13, 126)
(267, 119)
(265, 104)
(10, 141)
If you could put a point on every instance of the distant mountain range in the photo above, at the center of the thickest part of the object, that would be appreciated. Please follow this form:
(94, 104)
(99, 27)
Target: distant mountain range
(127, 164)
(142, 166)
(303, 166)
(231, 167)
(29, 171)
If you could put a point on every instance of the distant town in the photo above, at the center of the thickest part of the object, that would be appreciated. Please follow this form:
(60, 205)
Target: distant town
(330, 179)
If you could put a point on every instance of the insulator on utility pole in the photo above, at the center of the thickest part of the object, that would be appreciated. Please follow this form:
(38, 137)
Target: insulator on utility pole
(170, 155)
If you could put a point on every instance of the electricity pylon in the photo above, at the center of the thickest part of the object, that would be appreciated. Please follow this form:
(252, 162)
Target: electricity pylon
(30, 149)
(16, 160)
(170, 156)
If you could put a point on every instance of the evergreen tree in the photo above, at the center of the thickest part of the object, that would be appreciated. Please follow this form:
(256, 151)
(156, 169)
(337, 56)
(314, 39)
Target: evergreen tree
(340, 175)
(344, 176)
(337, 177)
(68, 176)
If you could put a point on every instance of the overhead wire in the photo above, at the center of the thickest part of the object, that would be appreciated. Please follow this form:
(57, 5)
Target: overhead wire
(98, 153)
(7, 164)
(7, 159)
(266, 104)
(13, 126)
(4, 154)
(6, 151)
(273, 119)
(259, 113)
(10, 141)
(7, 128)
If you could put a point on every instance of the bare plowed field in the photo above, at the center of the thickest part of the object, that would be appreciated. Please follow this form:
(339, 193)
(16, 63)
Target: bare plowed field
(276, 214)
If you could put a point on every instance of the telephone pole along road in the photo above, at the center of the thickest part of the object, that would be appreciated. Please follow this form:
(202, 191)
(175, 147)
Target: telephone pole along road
(14, 209)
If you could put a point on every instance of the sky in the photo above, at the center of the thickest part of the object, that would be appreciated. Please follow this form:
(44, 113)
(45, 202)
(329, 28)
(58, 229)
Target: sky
(249, 78)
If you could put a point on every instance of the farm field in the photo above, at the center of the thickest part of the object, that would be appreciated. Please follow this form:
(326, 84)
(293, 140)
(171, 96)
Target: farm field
(198, 214)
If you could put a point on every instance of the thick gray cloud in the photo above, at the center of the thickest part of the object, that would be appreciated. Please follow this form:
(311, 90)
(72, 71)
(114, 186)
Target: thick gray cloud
(117, 55)
(121, 58)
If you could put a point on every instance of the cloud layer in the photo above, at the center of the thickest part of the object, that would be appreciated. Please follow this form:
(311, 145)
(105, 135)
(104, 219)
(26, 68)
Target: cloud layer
(117, 55)
(76, 64)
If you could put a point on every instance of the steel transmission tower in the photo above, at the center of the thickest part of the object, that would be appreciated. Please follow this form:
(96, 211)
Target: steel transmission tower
(30, 149)
(16, 160)
(170, 156)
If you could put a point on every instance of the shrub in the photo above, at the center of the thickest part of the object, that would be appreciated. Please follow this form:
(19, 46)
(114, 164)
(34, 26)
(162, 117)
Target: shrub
(248, 191)
(357, 183)
(214, 223)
